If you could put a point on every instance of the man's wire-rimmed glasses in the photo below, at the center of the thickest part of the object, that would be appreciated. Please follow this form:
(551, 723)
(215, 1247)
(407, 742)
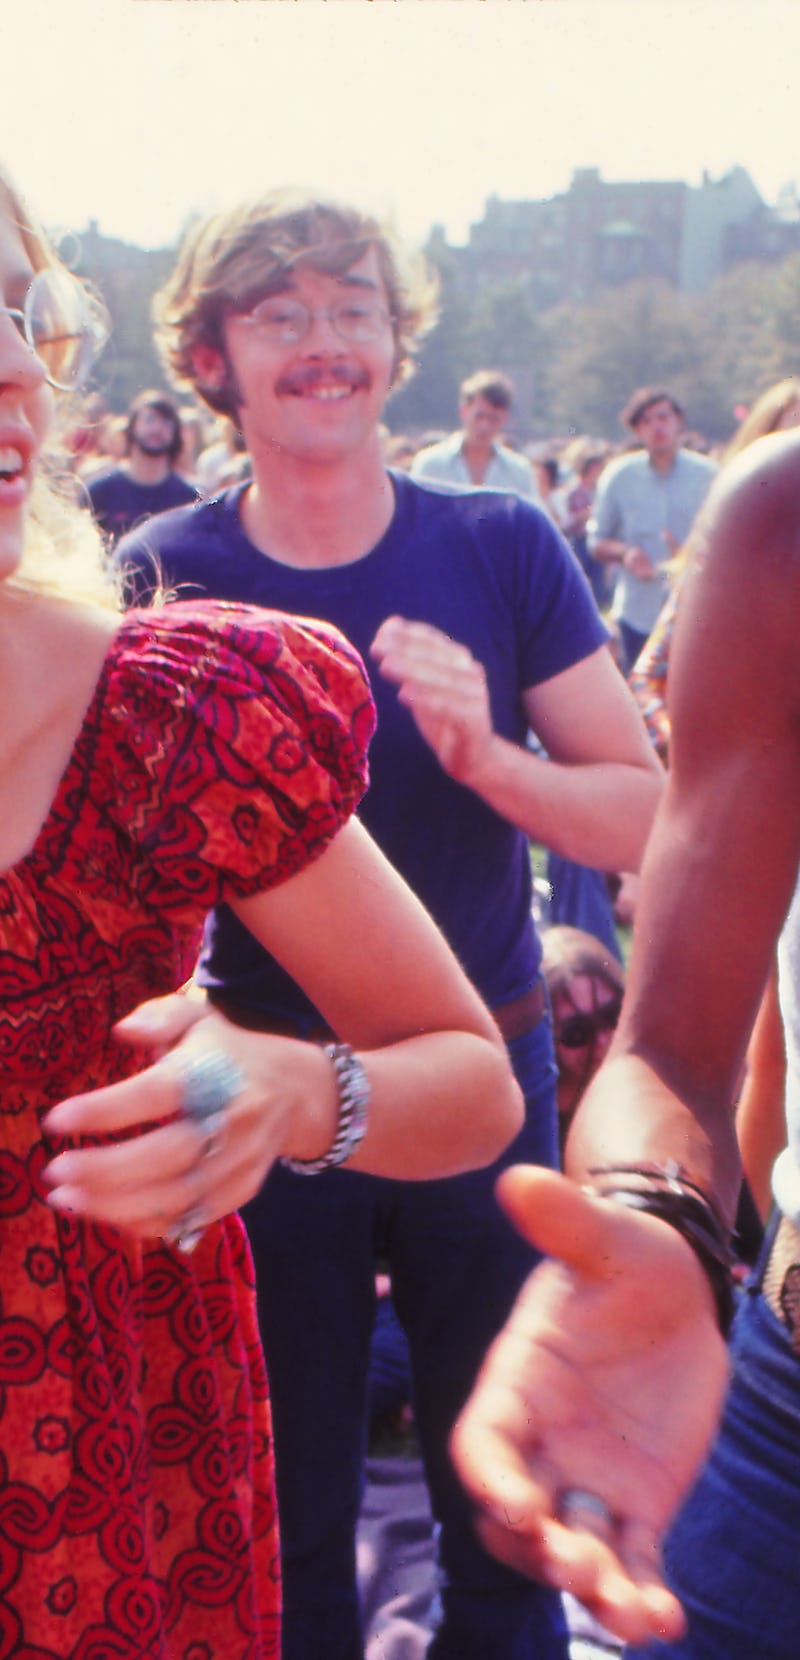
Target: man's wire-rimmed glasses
(286, 321)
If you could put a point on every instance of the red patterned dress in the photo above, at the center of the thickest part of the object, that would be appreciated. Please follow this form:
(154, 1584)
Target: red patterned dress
(222, 749)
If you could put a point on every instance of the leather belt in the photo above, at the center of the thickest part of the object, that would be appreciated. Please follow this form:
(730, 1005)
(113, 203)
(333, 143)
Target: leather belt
(514, 1019)
(780, 1284)
(522, 1013)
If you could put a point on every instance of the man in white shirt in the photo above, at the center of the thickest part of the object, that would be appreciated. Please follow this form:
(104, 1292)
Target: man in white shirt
(643, 512)
(475, 455)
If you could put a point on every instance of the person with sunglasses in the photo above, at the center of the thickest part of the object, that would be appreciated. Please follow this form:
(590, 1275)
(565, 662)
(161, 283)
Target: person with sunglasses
(585, 983)
(151, 765)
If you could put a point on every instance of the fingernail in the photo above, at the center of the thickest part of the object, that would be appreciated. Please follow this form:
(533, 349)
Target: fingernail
(58, 1171)
(65, 1198)
(57, 1120)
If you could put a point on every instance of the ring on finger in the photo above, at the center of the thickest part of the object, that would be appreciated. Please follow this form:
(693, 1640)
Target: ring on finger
(576, 1503)
(186, 1233)
(208, 1083)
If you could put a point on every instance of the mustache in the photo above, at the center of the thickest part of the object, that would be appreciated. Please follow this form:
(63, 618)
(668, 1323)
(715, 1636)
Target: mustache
(311, 375)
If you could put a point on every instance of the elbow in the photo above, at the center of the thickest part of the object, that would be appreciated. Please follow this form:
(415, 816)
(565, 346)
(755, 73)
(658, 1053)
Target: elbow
(481, 1118)
(491, 1109)
(516, 1113)
(513, 1114)
(503, 1106)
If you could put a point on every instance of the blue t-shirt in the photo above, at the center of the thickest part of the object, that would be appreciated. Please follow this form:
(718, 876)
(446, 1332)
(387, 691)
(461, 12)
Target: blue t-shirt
(493, 573)
(119, 502)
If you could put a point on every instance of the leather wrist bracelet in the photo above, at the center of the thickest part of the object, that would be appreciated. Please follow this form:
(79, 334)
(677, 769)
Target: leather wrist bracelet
(353, 1089)
(673, 1198)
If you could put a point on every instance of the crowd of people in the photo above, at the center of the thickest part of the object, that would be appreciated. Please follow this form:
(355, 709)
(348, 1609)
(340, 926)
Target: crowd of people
(270, 946)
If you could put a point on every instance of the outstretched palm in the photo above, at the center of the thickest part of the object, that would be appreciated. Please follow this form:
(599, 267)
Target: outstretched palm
(608, 1379)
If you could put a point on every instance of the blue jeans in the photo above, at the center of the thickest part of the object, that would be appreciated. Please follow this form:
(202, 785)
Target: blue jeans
(594, 570)
(732, 1555)
(389, 1382)
(456, 1266)
(632, 642)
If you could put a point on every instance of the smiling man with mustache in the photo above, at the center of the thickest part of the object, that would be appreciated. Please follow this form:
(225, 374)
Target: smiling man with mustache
(297, 318)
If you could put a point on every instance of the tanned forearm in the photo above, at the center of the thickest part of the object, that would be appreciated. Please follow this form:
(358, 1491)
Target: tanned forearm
(630, 1115)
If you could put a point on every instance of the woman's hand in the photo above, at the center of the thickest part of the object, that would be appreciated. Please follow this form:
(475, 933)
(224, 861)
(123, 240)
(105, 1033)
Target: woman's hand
(595, 1405)
(171, 1178)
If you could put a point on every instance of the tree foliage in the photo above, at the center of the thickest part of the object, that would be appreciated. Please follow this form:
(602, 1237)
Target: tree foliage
(575, 366)
(428, 402)
(785, 315)
(127, 277)
(643, 334)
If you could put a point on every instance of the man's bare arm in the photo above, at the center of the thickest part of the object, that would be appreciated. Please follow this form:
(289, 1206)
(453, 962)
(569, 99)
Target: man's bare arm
(608, 1376)
(595, 797)
(723, 857)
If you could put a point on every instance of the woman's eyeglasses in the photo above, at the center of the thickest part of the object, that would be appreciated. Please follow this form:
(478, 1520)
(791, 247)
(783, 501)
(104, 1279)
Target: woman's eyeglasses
(64, 325)
(579, 1031)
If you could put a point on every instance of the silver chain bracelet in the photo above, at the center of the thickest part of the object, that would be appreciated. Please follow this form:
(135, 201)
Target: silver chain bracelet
(353, 1089)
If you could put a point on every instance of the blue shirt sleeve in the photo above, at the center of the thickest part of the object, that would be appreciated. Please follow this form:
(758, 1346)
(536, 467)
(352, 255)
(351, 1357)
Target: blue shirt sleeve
(558, 623)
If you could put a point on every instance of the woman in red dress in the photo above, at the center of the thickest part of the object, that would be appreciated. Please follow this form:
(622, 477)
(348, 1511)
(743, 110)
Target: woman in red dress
(149, 766)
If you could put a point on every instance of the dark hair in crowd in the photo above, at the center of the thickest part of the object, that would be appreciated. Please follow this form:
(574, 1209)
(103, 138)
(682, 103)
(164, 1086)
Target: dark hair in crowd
(166, 407)
(490, 384)
(643, 399)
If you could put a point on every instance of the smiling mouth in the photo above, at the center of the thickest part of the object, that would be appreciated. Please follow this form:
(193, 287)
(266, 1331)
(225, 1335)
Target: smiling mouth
(12, 463)
(325, 394)
(327, 386)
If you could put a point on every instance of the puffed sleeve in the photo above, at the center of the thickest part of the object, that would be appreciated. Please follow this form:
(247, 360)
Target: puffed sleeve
(237, 742)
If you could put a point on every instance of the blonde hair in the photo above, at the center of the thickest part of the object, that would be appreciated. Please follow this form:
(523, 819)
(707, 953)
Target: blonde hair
(765, 415)
(231, 261)
(62, 551)
(764, 418)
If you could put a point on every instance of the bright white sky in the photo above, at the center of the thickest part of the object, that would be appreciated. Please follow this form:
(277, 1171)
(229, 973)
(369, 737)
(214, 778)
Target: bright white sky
(138, 112)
